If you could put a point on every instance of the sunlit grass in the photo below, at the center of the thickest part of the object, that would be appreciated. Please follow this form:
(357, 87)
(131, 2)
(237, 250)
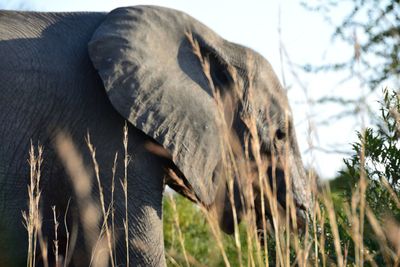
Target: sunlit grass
(191, 232)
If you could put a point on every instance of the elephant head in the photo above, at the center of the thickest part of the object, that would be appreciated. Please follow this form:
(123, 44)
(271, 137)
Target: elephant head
(163, 70)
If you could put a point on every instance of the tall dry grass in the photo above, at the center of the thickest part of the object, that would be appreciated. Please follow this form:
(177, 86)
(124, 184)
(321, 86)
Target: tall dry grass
(292, 246)
(32, 218)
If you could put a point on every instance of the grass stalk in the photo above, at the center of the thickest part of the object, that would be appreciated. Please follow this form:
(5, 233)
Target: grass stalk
(125, 189)
(102, 202)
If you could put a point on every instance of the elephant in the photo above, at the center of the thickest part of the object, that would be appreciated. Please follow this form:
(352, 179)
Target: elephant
(137, 66)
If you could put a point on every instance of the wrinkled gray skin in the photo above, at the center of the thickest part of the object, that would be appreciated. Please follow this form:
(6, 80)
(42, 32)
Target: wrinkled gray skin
(80, 72)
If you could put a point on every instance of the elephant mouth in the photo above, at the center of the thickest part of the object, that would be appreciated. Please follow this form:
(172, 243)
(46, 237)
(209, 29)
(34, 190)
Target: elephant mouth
(276, 217)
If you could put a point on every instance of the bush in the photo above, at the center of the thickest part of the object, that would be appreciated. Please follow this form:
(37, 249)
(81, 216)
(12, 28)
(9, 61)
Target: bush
(375, 161)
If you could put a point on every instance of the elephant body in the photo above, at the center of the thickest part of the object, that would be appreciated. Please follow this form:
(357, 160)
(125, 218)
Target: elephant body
(58, 74)
(48, 84)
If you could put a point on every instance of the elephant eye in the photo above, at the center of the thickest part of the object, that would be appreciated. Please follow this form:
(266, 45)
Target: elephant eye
(280, 135)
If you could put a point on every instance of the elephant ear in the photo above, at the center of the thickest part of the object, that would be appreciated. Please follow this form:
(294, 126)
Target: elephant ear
(156, 82)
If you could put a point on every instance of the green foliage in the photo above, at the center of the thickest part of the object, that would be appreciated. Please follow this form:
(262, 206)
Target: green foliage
(376, 156)
(196, 233)
(200, 244)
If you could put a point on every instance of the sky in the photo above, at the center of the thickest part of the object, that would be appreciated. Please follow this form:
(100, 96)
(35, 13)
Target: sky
(304, 37)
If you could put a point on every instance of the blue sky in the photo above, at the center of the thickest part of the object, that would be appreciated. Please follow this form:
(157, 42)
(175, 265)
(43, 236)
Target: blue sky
(254, 23)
